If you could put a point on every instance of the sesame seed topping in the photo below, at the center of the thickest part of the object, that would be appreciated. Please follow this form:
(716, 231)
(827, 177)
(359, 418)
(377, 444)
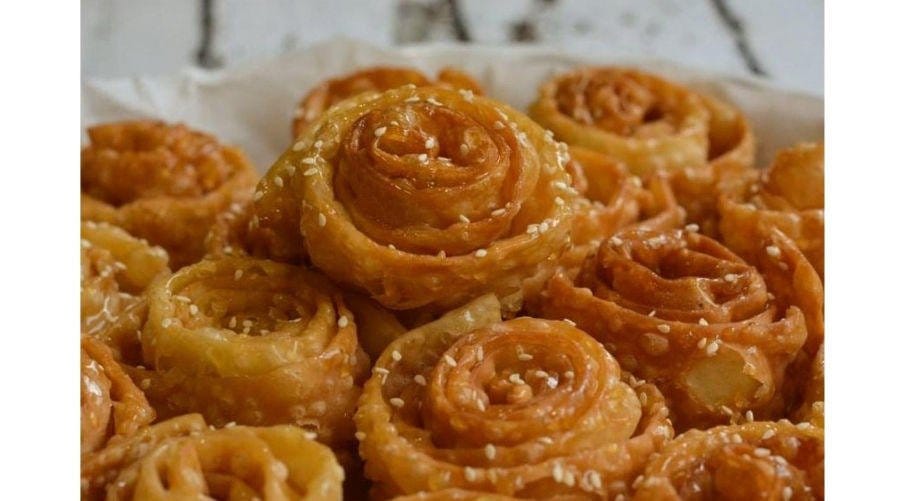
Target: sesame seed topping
(515, 378)
(467, 95)
(712, 348)
(531, 229)
(804, 426)
(773, 251)
(768, 434)
(525, 357)
(194, 309)
(464, 149)
(310, 171)
(761, 452)
(450, 360)
(702, 321)
(318, 144)
(569, 374)
(232, 323)
(480, 253)
(420, 380)
(552, 382)
(664, 328)
(397, 402)
(490, 451)
(429, 143)
(470, 473)
(615, 240)
(257, 196)
(559, 201)
(392, 247)
(442, 254)
(238, 274)
(594, 479)
(278, 181)
(558, 473)
(166, 322)
(360, 435)
(343, 321)
(568, 321)
(480, 404)
(290, 169)
(498, 212)
(422, 157)
(380, 131)
(396, 356)
(730, 278)
(308, 161)
(464, 219)
(787, 493)
(479, 354)
(381, 370)
(545, 440)
(322, 219)
(498, 125)
(693, 228)
(541, 374)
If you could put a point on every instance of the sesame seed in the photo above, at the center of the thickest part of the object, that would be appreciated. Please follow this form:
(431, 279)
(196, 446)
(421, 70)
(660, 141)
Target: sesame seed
(787, 493)
(545, 440)
(569, 374)
(396, 356)
(490, 451)
(768, 434)
(552, 382)
(322, 220)
(498, 212)
(450, 360)
(257, 196)
(420, 380)
(559, 201)
(693, 228)
(480, 253)
(470, 473)
(392, 247)
(232, 323)
(480, 404)
(543, 227)
(308, 161)
(380, 131)
(479, 354)
(318, 144)
(194, 309)
(343, 321)
(664, 328)
(381, 370)
(702, 321)
(230, 424)
(429, 143)
(310, 435)
(525, 357)
(515, 378)
(594, 479)
(532, 229)
(652, 313)
(413, 99)
(422, 157)
(291, 170)
(761, 452)
(770, 296)
(238, 274)
(360, 435)
(730, 278)
(278, 181)
(464, 149)
(166, 322)
(442, 254)
(712, 348)
(310, 171)
(570, 322)
(558, 473)
(298, 146)
(748, 415)
(498, 125)
(541, 374)
(615, 240)
(773, 251)
(397, 402)
(464, 219)
(804, 426)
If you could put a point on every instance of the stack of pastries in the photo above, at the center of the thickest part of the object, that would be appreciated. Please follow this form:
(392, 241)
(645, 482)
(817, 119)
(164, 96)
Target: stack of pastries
(434, 295)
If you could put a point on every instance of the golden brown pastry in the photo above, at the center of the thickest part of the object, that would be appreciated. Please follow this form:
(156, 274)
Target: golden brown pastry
(524, 408)
(183, 459)
(111, 404)
(790, 196)
(254, 342)
(376, 78)
(651, 124)
(687, 314)
(761, 460)
(423, 197)
(116, 269)
(165, 183)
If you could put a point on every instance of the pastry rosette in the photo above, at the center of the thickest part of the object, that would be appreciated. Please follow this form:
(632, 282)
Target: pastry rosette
(790, 196)
(183, 459)
(377, 78)
(524, 408)
(254, 342)
(682, 311)
(615, 199)
(116, 269)
(423, 197)
(111, 404)
(761, 460)
(165, 183)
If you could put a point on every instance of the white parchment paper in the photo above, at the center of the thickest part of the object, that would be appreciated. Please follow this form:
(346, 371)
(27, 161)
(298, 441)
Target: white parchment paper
(251, 106)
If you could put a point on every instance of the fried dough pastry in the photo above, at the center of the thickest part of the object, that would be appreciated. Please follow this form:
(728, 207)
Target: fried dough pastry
(651, 124)
(111, 404)
(524, 408)
(790, 196)
(614, 199)
(761, 460)
(687, 314)
(116, 269)
(423, 198)
(182, 458)
(165, 183)
(254, 342)
(377, 78)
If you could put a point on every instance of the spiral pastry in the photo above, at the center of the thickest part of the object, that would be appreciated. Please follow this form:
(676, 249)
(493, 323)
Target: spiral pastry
(377, 78)
(761, 460)
(254, 342)
(614, 199)
(182, 459)
(682, 311)
(116, 269)
(165, 183)
(790, 196)
(111, 404)
(524, 408)
(423, 197)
